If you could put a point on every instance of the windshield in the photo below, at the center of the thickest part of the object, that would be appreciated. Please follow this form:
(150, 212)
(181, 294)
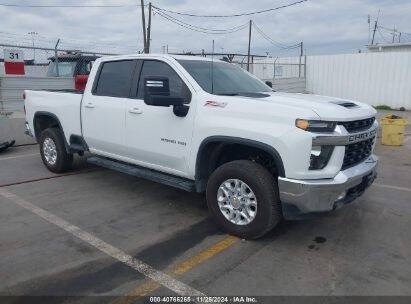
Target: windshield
(228, 79)
(66, 69)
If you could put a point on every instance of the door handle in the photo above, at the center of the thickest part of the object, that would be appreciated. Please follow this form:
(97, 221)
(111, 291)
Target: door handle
(135, 111)
(89, 105)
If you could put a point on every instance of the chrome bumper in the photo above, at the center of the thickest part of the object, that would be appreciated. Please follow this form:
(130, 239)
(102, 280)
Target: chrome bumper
(305, 198)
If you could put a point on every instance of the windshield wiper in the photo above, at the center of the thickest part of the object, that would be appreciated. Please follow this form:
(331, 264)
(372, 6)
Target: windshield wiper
(228, 94)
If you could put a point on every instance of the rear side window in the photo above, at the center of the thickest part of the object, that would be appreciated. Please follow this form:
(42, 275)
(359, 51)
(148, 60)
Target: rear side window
(115, 79)
(158, 68)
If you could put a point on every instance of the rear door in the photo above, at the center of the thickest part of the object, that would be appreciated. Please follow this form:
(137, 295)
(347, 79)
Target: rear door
(103, 109)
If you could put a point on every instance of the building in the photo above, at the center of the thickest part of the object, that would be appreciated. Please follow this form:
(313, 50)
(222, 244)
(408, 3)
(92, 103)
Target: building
(390, 47)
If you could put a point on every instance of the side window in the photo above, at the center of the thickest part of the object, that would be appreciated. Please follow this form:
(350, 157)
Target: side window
(115, 79)
(158, 68)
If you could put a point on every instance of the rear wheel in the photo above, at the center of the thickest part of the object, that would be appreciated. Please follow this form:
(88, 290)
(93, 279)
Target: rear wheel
(53, 151)
(243, 198)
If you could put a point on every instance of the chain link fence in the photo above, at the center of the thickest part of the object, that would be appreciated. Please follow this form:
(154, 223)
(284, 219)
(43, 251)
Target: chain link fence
(287, 74)
(264, 67)
(27, 67)
(55, 68)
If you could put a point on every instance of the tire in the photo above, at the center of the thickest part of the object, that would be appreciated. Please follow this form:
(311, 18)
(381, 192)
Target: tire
(263, 186)
(62, 160)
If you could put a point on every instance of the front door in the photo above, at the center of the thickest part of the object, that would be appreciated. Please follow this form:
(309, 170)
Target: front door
(155, 136)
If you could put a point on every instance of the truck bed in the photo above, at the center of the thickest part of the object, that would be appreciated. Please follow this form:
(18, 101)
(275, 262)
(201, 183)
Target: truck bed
(65, 105)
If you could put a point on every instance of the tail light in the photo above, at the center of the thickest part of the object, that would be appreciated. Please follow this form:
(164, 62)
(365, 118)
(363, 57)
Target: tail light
(80, 82)
(24, 103)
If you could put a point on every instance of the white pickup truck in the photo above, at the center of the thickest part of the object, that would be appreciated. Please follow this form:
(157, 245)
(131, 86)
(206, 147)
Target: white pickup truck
(209, 126)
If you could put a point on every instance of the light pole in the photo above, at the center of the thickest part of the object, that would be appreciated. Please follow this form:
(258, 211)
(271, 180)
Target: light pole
(32, 40)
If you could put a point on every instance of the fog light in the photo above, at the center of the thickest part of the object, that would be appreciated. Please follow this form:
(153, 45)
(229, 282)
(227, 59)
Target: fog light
(320, 155)
(341, 196)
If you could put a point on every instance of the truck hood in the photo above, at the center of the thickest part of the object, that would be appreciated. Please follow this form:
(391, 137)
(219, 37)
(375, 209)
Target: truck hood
(327, 108)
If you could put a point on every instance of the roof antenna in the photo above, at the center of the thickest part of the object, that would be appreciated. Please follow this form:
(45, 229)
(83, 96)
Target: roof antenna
(212, 70)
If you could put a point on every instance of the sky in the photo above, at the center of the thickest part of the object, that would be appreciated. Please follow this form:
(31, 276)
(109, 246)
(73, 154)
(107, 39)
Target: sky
(325, 26)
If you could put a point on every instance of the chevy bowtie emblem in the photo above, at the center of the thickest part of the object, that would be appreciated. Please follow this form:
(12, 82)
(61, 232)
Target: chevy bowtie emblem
(215, 104)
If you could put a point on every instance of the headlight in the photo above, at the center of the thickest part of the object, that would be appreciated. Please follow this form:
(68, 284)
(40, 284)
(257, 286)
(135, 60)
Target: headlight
(315, 125)
(320, 155)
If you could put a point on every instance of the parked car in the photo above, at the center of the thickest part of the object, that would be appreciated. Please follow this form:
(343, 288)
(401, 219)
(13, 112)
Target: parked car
(211, 127)
(70, 65)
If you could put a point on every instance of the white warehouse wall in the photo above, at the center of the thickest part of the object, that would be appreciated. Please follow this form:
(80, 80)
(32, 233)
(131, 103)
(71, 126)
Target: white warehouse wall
(372, 78)
(381, 78)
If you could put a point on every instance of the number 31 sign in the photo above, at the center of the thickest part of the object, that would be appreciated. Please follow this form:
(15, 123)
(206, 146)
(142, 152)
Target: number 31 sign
(13, 62)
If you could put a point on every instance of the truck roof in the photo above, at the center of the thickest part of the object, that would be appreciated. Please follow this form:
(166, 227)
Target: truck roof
(154, 55)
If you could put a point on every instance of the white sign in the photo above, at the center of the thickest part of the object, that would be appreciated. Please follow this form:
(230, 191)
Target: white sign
(13, 55)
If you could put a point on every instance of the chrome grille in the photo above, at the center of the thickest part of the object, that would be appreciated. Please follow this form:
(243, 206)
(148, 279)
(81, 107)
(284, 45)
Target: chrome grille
(358, 125)
(357, 152)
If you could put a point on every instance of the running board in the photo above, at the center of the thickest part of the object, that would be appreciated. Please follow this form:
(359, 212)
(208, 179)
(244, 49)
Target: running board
(155, 176)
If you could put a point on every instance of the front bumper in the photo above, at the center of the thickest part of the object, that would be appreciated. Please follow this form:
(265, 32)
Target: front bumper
(306, 198)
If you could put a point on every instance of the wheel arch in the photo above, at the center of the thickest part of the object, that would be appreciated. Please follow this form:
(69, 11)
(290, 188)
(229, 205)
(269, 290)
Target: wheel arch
(211, 148)
(43, 120)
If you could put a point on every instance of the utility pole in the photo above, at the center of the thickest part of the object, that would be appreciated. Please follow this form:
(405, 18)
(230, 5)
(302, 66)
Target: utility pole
(56, 58)
(373, 34)
(394, 34)
(301, 56)
(32, 40)
(375, 27)
(249, 46)
(369, 28)
(143, 20)
(149, 28)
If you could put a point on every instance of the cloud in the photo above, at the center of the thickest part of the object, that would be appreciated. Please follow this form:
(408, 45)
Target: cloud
(325, 26)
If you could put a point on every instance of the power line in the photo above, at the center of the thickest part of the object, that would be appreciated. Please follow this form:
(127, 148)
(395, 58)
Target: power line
(402, 36)
(381, 35)
(272, 41)
(392, 30)
(233, 15)
(66, 41)
(201, 29)
(64, 6)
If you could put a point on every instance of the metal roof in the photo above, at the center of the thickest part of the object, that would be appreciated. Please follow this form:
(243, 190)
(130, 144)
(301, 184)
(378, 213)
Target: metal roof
(384, 45)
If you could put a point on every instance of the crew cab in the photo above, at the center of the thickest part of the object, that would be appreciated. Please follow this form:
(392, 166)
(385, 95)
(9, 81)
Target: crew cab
(209, 126)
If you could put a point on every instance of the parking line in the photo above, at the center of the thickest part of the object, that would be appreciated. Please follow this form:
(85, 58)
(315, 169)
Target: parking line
(50, 177)
(392, 187)
(19, 156)
(161, 278)
(150, 286)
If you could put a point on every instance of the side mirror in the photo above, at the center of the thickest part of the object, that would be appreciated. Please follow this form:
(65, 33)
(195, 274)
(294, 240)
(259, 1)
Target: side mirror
(157, 93)
(269, 83)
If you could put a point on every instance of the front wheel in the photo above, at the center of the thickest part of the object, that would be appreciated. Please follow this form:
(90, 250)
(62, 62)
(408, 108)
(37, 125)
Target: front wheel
(53, 151)
(243, 198)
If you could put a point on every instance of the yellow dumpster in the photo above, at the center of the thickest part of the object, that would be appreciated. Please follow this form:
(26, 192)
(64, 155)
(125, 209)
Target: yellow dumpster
(393, 128)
